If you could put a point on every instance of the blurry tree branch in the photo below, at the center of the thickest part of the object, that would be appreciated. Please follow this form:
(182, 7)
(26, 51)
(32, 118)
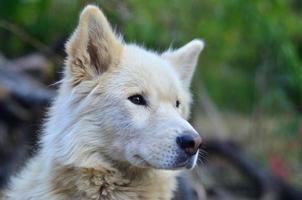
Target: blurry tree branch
(268, 185)
(27, 38)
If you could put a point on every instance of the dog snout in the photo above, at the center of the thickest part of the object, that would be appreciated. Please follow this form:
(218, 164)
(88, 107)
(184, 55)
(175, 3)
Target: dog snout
(189, 142)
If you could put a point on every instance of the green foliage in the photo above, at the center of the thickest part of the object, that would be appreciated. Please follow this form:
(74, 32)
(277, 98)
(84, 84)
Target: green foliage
(253, 47)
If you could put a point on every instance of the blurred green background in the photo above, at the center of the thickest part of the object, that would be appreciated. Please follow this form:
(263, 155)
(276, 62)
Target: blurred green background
(253, 51)
(251, 67)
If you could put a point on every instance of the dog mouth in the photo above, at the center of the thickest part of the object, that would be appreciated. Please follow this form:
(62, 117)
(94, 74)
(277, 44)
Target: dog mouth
(187, 162)
(191, 162)
(140, 161)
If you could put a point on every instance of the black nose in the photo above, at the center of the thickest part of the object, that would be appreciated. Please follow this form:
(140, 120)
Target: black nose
(189, 142)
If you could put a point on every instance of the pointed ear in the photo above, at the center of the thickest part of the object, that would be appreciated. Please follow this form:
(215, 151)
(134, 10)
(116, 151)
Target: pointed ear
(184, 59)
(93, 48)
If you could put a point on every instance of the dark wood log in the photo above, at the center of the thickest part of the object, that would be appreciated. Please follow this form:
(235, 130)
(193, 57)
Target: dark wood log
(266, 184)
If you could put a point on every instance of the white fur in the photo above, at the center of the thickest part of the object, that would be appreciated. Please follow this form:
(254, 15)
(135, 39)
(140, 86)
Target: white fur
(96, 143)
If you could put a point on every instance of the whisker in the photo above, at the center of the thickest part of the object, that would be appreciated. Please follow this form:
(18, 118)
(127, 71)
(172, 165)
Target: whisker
(202, 156)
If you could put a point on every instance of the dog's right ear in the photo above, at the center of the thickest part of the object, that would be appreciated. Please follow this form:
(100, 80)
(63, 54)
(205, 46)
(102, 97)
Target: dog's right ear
(93, 48)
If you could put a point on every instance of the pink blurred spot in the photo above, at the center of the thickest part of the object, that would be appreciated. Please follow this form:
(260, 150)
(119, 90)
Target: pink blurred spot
(277, 166)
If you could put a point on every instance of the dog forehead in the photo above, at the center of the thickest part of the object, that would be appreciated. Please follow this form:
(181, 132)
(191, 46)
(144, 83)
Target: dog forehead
(148, 68)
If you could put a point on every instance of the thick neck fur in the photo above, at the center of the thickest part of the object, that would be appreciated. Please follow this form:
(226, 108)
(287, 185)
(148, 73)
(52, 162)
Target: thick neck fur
(53, 181)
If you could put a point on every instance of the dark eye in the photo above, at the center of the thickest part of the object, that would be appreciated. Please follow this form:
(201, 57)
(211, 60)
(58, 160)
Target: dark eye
(177, 103)
(138, 99)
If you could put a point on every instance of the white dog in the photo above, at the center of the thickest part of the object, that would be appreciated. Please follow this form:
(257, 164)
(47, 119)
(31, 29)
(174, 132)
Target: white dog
(117, 129)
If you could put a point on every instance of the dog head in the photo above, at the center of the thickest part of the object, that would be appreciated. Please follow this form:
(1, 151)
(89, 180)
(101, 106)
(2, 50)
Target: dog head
(121, 103)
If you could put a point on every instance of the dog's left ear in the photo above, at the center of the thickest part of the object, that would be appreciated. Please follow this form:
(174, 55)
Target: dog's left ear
(184, 59)
(93, 48)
